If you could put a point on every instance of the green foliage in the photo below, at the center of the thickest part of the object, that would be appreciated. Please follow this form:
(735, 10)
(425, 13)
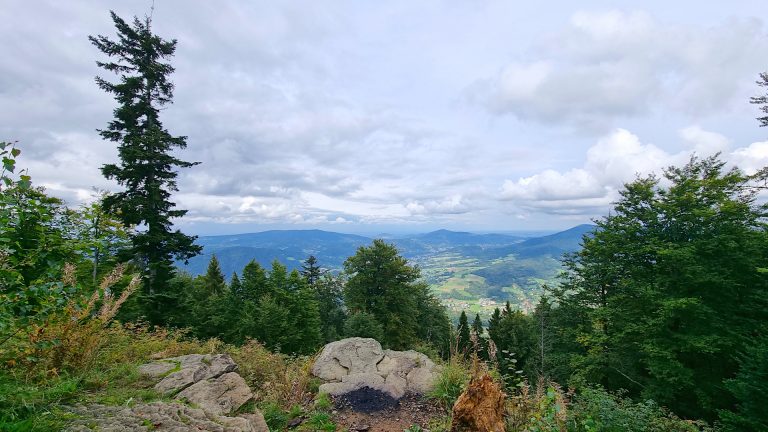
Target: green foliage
(452, 380)
(748, 387)
(147, 165)
(512, 333)
(319, 421)
(667, 291)
(363, 324)
(382, 283)
(594, 409)
(323, 402)
(329, 293)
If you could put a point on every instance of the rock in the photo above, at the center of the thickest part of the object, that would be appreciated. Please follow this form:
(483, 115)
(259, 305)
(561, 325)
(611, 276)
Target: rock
(190, 369)
(157, 369)
(480, 408)
(257, 421)
(354, 363)
(161, 416)
(420, 380)
(396, 385)
(220, 395)
(347, 356)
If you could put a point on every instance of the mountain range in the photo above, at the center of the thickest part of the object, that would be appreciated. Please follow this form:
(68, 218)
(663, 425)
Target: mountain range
(465, 269)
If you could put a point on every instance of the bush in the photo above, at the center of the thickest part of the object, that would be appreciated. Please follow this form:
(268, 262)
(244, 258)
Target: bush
(594, 409)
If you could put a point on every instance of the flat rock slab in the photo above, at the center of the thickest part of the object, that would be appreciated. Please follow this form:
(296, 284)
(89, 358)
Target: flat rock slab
(161, 416)
(352, 364)
(178, 373)
(220, 395)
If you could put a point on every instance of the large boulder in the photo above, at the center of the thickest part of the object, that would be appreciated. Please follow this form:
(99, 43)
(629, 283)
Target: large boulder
(354, 363)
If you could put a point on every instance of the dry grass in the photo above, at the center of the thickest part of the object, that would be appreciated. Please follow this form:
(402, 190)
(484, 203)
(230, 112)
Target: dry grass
(275, 377)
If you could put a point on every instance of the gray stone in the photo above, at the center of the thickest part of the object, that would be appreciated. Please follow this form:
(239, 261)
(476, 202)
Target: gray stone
(161, 416)
(420, 380)
(396, 385)
(157, 369)
(220, 395)
(193, 368)
(353, 363)
(347, 356)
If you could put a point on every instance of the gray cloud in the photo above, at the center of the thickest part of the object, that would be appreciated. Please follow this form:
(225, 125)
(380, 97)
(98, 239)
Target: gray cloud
(610, 65)
(309, 114)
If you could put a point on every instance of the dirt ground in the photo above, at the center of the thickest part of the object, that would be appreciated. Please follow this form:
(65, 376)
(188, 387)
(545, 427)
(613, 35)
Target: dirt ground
(373, 412)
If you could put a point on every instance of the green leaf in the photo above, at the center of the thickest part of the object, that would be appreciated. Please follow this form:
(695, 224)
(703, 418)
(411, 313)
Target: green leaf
(15, 152)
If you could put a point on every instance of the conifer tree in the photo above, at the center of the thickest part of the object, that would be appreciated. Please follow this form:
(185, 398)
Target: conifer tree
(147, 165)
(463, 330)
(477, 328)
(234, 285)
(762, 99)
(254, 282)
(311, 271)
(213, 280)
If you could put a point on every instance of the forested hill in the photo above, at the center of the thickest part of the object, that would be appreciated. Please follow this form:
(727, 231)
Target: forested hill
(290, 247)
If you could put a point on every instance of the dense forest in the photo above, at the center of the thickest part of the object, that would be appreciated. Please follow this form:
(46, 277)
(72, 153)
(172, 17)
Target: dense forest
(663, 310)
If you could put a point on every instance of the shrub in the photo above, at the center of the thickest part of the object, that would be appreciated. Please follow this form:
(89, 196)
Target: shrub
(594, 409)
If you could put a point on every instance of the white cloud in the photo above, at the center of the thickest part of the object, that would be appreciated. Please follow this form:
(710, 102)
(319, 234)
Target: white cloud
(705, 143)
(751, 158)
(455, 204)
(615, 160)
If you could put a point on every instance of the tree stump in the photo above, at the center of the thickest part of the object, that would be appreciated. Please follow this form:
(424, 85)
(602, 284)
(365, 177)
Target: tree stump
(480, 408)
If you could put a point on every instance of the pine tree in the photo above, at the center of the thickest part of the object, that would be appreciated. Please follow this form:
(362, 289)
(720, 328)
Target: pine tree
(329, 293)
(146, 167)
(668, 289)
(463, 329)
(254, 282)
(477, 329)
(763, 99)
(311, 271)
(213, 280)
(234, 285)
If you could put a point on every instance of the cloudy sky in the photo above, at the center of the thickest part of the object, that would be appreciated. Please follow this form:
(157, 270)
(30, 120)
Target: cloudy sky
(373, 116)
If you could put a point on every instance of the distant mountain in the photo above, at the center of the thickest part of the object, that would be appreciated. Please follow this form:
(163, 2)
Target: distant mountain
(461, 267)
(553, 245)
(289, 247)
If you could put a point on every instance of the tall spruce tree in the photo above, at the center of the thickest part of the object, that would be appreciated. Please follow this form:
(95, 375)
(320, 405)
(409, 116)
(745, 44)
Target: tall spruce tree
(147, 165)
(463, 329)
(762, 99)
(311, 271)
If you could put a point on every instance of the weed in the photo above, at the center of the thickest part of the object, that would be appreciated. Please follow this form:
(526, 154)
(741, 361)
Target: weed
(323, 402)
(320, 422)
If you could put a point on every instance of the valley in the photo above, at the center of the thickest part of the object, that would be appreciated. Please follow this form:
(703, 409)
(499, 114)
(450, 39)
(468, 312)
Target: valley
(475, 273)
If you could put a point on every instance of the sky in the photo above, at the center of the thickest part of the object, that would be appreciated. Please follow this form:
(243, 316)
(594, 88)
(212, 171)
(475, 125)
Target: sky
(397, 116)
